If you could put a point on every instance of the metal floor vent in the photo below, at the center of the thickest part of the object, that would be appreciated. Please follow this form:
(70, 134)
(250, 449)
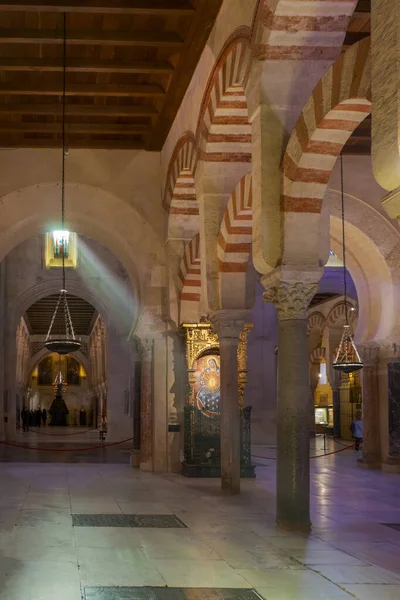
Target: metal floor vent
(156, 521)
(164, 593)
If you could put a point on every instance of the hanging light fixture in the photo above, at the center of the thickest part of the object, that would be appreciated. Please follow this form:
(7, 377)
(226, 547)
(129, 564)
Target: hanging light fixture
(347, 358)
(68, 342)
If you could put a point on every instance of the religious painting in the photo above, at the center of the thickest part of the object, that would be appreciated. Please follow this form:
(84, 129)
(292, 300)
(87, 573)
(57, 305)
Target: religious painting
(72, 371)
(45, 371)
(207, 385)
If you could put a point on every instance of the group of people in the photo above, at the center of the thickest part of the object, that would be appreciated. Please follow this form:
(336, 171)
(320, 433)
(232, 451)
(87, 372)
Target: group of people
(33, 418)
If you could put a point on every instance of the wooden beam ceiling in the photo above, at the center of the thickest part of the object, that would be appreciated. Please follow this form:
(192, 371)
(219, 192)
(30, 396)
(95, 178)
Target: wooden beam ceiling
(115, 7)
(129, 63)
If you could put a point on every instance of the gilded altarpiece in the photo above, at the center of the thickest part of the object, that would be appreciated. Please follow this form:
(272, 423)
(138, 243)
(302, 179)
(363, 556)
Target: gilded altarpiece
(203, 403)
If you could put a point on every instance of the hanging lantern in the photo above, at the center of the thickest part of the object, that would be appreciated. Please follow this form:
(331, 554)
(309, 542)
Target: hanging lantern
(347, 358)
(66, 343)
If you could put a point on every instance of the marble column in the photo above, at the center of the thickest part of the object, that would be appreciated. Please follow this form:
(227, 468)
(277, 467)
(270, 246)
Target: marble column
(314, 370)
(228, 324)
(293, 444)
(371, 457)
(389, 396)
(146, 406)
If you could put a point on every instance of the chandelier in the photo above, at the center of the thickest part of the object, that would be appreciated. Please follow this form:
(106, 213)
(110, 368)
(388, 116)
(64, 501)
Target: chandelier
(347, 358)
(67, 342)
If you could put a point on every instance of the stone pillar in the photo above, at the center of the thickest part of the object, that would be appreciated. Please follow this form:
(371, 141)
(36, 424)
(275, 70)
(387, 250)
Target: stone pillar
(146, 406)
(389, 399)
(293, 445)
(314, 370)
(371, 457)
(228, 324)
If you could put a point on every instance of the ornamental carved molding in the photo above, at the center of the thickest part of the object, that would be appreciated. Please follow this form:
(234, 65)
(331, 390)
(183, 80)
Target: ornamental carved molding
(291, 299)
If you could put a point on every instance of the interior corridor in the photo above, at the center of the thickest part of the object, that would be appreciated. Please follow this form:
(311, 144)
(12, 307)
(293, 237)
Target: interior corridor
(228, 542)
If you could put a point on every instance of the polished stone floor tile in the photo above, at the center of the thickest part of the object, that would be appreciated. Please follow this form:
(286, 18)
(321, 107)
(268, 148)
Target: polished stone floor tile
(357, 574)
(199, 573)
(122, 520)
(130, 593)
(374, 592)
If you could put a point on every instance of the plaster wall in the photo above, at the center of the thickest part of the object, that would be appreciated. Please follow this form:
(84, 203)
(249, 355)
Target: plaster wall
(131, 175)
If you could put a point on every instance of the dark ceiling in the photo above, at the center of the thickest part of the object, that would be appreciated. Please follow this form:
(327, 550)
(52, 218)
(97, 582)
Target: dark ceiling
(38, 316)
(129, 63)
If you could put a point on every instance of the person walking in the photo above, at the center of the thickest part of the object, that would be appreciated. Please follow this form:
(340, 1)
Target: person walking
(25, 419)
(44, 417)
(38, 416)
(357, 430)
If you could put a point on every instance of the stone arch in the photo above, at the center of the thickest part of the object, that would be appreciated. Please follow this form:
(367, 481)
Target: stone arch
(224, 140)
(234, 244)
(190, 280)
(340, 101)
(372, 252)
(180, 191)
(223, 130)
(291, 30)
(36, 358)
(318, 355)
(316, 320)
(336, 316)
(92, 212)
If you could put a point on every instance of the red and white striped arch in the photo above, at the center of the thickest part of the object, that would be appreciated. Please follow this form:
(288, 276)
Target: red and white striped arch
(303, 30)
(318, 355)
(337, 106)
(224, 131)
(190, 271)
(337, 315)
(180, 198)
(316, 320)
(234, 240)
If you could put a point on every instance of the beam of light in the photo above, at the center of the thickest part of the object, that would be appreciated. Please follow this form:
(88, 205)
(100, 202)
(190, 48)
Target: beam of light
(113, 288)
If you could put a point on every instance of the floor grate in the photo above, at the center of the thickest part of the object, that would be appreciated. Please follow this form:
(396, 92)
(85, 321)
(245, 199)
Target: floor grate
(164, 593)
(155, 521)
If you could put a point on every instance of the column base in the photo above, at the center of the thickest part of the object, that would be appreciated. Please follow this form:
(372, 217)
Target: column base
(295, 528)
(134, 459)
(369, 463)
(147, 465)
(391, 465)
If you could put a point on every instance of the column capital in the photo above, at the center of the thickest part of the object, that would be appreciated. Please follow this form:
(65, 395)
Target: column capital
(390, 352)
(229, 323)
(369, 354)
(291, 299)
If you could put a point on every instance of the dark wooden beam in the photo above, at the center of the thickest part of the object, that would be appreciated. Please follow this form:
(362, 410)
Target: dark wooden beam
(74, 128)
(91, 38)
(81, 110)
(130, 91)
(363, 6)
(132, 7)
(199, 31)
(83, 143)
(352, 37)
(85, 65)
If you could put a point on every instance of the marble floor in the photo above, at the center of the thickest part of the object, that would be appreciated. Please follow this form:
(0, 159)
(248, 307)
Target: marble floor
(228, 542)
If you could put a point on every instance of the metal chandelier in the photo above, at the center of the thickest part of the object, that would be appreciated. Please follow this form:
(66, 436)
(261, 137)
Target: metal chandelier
(347, 358)
(66, 343)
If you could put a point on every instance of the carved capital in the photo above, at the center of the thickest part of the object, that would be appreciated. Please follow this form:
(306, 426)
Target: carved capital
(228, 324)
(146, 347)
(369, 354)
(291, 299)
